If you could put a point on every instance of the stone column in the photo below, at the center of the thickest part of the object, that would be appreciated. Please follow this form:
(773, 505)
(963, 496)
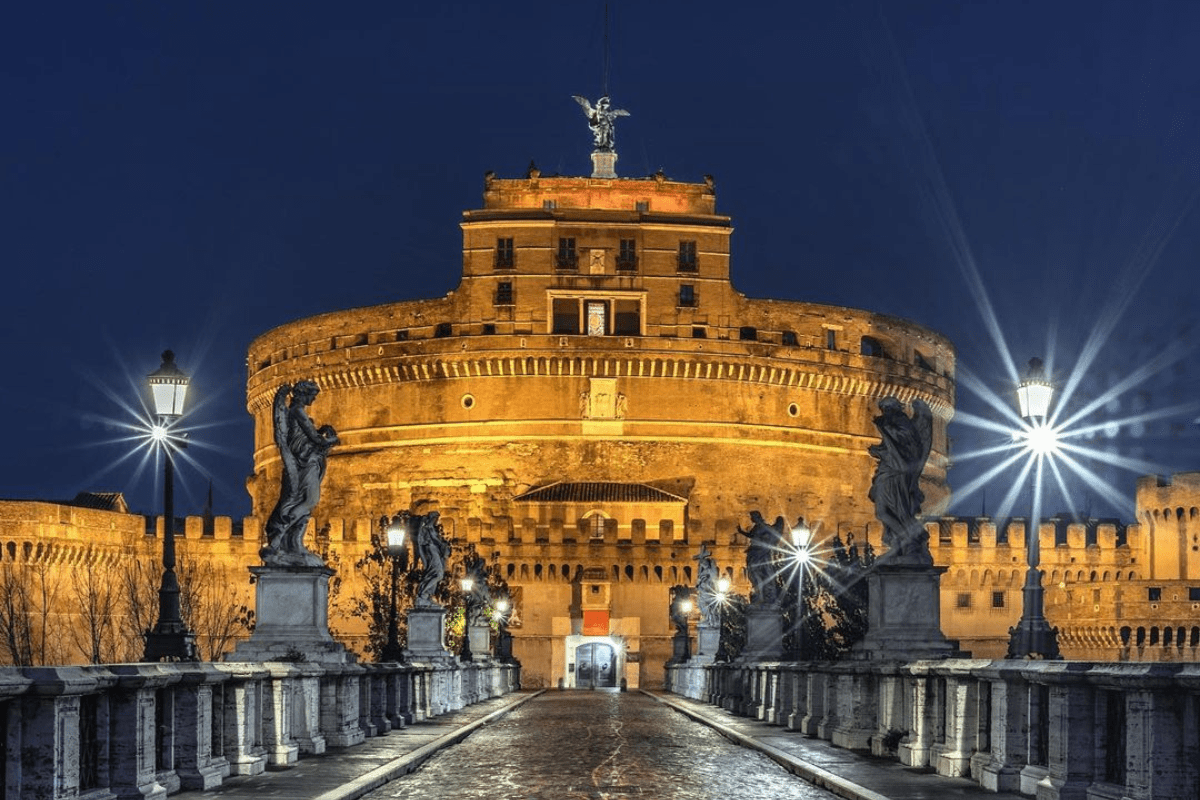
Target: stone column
(135, 754)
(243, 718)
(1161, 721)
(339, 705)
(306, 708)
(278, 696)
(1072, 765)
(44, 725)
(952, 756)
(857, 715)
(198, 766)
(999, 768)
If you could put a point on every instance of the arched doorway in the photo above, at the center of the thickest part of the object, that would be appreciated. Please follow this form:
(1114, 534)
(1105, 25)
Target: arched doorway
(595, 666)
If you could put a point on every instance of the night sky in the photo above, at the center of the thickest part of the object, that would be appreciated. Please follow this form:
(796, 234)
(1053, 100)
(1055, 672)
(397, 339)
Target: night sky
(190, 175)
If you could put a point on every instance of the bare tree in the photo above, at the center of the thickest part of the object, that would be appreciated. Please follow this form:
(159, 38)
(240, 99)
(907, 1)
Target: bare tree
(16, 615)
(216, 614)
(98, 598)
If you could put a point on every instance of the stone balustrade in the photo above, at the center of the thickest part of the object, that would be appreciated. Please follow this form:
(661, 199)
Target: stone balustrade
(148, 730)
(1060, 730)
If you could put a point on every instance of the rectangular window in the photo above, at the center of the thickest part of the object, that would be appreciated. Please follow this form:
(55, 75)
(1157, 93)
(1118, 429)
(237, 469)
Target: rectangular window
(830, 339)
(997, 599)
(627, 318)
(549, 205)
(504, 293)
(699, 333)
(566, 316)
(748, 333)
(687, 295)
(1154, 594)
(489, 329)
(642, 206)
(504, 254)
(687, 256)
(963, 600)
(566, 257)
(597, 318)
(1194, 594)
(789, 339)
(627, 256)
(443, 330)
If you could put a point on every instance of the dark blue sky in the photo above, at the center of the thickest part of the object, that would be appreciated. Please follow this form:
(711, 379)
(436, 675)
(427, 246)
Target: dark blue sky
(191, 175)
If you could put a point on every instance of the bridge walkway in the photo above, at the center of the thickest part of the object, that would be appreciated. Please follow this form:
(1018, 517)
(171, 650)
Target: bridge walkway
(351, 773)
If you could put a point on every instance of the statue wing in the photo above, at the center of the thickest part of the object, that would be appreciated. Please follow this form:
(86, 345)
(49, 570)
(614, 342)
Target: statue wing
(618, 112)
(583, 101)
(923, 424)
(279, 413)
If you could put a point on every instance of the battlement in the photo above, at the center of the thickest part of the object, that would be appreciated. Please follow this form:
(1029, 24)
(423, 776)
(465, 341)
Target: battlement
(652, 195)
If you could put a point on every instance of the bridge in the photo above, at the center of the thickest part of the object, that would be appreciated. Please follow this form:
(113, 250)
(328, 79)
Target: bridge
(867, 729)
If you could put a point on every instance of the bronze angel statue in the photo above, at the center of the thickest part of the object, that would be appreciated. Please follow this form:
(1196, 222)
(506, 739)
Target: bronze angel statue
(896, 488)
(600, 120)
(302, 449)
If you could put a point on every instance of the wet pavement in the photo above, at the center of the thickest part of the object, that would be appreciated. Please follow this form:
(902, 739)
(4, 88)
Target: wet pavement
(577, 745)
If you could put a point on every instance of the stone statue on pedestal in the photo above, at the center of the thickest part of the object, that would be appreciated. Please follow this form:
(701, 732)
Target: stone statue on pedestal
(600, 120)
(706, 586)
(302, 449)
(765, 545)
(433, 550)
(896, 487)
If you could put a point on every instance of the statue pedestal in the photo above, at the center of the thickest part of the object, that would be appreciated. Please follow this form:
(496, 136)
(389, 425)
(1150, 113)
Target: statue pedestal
(481, 642)
(764, 634)
(291, 618)
(904, 615)
(708, 642)
(604, 164)
(426, 633)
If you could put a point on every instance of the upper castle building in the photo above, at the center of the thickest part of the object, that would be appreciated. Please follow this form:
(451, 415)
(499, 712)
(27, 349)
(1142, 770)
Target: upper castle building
(593, 402)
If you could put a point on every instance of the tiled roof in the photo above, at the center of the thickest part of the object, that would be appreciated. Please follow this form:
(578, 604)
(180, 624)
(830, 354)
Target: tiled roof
(105, 501)
(598, 492)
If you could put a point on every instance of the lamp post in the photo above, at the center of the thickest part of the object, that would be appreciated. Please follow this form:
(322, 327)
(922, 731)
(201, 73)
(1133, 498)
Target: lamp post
(169, 639)
(1033, 637)
(802, 553)
(685, 611)
(468, 585)
(396, 532)
(503, 648)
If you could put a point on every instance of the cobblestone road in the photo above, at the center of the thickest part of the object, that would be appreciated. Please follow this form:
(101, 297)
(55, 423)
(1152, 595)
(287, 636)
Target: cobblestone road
(597, 746)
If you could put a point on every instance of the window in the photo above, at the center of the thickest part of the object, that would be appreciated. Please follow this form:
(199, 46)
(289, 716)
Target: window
(1154, 594)
(566, 258)
(687, 256)
(923, 362)
(963, 600)
(504, 293)
(597, 527)
(870, 346)
(566, 316)
(443, 330)
(789, 339)
(549, 205)
(627, 318)
(401, 336)
(687, 295)
(997, 599)
(748, 333)
(1194, 594)
(627, 255)
(699, 333)
(830, 339)
(489, 329)
(642, 206)
(504, 254)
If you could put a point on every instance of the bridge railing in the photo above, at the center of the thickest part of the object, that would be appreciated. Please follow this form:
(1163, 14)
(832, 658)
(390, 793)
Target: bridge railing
(129, 729)
(1054, 729)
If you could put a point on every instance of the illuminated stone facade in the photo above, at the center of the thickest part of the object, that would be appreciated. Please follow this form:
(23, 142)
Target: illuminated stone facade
(595, 343)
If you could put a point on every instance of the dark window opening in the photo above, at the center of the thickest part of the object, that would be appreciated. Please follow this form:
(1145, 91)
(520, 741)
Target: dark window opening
(997, 599)
(401, 336)
(922, 362)
(1194, 593)
(1154, 594)
(505, 258)
(870, 346)
(687, 295)
(443, 330)
(627, 318)
(489, 329)
(789, 339)
(687, 256)
(748, 333)
(963, 600)
(830, 339)
(504, 293)
(627, 255)
(566, 316)
(566, 257)
(642, 205)
(699, 333)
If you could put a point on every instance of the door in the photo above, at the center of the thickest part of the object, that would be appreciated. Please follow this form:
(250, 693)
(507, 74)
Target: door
(595, 666)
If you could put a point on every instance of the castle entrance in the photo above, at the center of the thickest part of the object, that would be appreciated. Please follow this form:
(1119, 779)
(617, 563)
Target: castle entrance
(595, 666)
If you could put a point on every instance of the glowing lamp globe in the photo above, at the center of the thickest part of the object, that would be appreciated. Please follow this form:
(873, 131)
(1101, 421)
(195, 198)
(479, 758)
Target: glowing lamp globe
(502, 605)
(685, 606)
(168, 386)
(397, 530)
(1035, 392)
(723, 585)
(801, 535)
(467, 584)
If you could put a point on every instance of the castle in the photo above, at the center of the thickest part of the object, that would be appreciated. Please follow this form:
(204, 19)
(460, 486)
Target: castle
(595, 401)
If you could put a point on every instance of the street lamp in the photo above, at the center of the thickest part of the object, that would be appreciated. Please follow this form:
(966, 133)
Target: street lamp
(395, 532)
(169, 639)
(500, 616)
(1033, 637)
(801, 541)
(467, 584)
